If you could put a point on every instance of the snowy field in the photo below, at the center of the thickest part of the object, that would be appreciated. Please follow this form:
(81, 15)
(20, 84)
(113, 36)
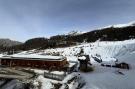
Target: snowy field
(101, 77)
(109, 78)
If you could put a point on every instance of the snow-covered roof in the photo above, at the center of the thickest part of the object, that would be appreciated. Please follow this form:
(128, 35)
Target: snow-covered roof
(1, 55)
(82, 58)
(71, 64)
(33, 57)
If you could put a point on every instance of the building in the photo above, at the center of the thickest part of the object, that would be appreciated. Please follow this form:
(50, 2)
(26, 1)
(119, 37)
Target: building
(34, 61)
(122, 65)
(84, 61)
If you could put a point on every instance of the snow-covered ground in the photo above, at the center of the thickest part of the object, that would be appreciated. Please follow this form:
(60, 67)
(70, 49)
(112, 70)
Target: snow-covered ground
(101, 77)
(49, 83)
(109, 78)
(120, 25)
(106, 50)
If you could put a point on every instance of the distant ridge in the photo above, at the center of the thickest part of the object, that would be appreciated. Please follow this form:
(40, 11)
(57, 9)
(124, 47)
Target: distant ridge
(120, 25)
(8, 42)
(113, 33)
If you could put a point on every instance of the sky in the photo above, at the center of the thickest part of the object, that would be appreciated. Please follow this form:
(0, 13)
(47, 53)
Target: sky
(24, 19)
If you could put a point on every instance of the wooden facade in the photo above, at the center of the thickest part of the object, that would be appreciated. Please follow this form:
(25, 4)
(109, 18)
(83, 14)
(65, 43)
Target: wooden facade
(34, 63)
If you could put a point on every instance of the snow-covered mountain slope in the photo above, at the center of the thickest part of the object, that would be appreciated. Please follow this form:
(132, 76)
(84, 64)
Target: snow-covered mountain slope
(101, 77)
(73, 33)
(8, 42)
(120, 25)
(107, 51)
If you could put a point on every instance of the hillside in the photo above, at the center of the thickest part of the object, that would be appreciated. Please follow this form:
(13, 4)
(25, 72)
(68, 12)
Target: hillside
(105, 34)
(101, 77)
(109, 52)
(8, 42)
(8, 45)
(110, 33)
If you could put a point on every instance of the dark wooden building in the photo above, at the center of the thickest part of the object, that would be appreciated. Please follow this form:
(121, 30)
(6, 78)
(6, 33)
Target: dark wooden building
(45, 62)
(84, 61)
(122, 65)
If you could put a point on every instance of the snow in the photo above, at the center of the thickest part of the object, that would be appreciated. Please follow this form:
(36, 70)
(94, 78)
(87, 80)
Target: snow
(108, 78)
(72, 58)
(38, 71)
(74, 84)
(46, 84)
(107, 51)
(11, 84)
(82, 58)
(75, 32)
(125, 25)
(71, 64)
(132, 23)
(101, 77)
(35, 56)
(41, 72)
(1, 55)
(57, 72)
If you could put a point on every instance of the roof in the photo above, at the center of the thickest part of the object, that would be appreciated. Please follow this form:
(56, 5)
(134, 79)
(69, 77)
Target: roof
(82, 58)
(33, 57)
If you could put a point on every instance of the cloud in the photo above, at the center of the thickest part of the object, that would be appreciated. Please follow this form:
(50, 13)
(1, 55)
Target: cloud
(24, 19)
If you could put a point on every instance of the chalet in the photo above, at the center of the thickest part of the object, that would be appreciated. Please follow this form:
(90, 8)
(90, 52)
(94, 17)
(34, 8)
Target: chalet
(34, 61)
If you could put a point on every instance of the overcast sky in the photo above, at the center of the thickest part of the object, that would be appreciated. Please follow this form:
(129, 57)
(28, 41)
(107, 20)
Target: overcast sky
(24, 19)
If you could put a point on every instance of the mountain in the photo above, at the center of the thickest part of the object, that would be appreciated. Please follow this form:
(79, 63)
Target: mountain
(8, 43)
(112, 33)
(120, 25)
(74, 33)
(120, 33)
